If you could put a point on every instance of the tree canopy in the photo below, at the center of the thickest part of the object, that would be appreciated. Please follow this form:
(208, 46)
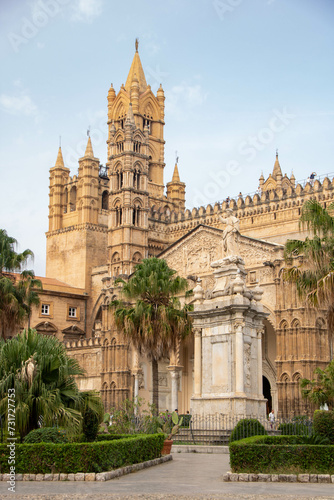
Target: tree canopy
(155, 322)
(18, 287)
(314, 277)
(38, 371)
(320, 390)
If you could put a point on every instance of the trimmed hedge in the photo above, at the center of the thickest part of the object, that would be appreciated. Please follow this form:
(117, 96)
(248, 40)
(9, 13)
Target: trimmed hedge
(44, 458)
(277, 454)
(247, 427)
(113, 437)
(323, 424)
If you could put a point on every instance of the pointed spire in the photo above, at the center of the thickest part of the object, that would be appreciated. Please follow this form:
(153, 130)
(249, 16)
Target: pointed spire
(176, 176)
(277, 168)
(136, 69)
(59, 160)
(89, 149)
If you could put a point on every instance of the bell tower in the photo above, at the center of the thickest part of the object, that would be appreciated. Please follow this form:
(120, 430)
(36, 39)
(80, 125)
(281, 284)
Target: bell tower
(129, 196)
(148, 111)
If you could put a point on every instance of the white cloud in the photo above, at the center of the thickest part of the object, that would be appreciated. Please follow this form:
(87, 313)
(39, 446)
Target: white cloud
(14, 105)
(184, 97)
(86, 10)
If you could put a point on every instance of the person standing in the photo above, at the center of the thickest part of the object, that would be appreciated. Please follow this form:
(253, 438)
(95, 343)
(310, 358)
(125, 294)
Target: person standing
(272, 418)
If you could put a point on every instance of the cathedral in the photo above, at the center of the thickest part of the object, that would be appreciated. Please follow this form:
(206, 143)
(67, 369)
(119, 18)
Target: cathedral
(106, 219)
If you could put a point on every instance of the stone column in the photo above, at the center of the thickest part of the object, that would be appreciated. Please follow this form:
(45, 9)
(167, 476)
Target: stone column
(239, 356)
(136, 372)
(198, 362)
(175, 375)
(259, 332)
(136, 389)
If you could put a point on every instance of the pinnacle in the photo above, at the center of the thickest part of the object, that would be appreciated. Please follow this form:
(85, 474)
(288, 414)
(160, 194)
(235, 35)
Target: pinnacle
(89, 149)
(176, 176)
(130, 119)
(277, 168)
(59, 160)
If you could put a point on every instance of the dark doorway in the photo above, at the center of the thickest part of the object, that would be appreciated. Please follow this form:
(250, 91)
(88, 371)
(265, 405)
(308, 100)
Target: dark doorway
(266, 393)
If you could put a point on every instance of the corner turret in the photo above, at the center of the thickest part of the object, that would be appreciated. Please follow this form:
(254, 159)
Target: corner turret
(176, 189)
(59, 176)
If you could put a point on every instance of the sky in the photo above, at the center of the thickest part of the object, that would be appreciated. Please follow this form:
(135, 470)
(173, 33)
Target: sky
(242, 78)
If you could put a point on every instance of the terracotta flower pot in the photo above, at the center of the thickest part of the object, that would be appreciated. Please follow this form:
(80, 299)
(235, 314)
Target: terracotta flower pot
(166, 449)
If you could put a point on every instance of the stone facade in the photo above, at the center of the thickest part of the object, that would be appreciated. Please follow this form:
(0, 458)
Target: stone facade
(104, 220)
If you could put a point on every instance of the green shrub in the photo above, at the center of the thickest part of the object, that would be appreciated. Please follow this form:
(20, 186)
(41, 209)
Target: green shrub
(247, 427)
(46, 435)
(281, 454)
(43, 458)
(90, 424)
(323, 424)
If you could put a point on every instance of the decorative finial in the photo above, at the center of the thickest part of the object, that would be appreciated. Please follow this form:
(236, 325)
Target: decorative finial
(60, 141)
(137, 43)
(88, 131)
(276, 152)
(176, 158)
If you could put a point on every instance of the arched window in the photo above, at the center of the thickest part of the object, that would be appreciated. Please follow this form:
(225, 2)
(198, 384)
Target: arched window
(120, 146)
(119, 179)
(136, 146)
(136, 215)
(73, 198)
(137, 257)
(105, 197)
(65, 202)
(118, 216)
(136, 179)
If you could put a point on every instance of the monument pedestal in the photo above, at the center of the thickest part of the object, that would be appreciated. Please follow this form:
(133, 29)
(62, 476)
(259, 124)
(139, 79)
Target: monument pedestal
(228, 326)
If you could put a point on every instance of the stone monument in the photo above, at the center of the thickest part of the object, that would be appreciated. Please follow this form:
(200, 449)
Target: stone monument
(228, 327)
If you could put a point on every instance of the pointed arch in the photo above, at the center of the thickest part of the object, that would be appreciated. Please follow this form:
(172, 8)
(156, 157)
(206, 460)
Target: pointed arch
(105, 200)
(137, 257)
(285, 377)
(73, 198)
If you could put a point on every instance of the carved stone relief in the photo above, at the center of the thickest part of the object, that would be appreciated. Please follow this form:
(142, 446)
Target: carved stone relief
(163, 382)
(247, 359)
(194, 254)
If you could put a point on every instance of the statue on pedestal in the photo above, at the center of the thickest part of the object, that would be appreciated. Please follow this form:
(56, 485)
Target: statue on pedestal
(230, 234)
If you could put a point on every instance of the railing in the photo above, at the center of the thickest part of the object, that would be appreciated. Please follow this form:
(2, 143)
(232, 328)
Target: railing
(217, 429)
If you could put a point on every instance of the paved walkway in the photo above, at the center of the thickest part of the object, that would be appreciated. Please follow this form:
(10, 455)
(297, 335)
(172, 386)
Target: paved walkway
(187, 476)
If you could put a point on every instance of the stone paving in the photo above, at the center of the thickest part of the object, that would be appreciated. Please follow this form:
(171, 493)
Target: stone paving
(187, 476)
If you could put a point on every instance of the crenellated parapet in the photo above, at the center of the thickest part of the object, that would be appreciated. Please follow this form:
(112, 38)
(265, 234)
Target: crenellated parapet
(84, 343)
(264, 211)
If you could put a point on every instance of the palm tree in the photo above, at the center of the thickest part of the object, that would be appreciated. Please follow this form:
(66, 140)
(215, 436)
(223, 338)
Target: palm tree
(10, 260)
(43, 376)
(156, 322)
(17, 292)
(27, 287)
(314, 278)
